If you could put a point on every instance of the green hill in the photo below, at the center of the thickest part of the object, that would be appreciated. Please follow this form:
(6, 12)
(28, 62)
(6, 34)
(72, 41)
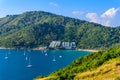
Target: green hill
(103, 65)
(38, 28)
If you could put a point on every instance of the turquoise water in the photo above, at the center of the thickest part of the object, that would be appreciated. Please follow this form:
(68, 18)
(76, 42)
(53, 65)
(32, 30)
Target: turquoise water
(14, 63)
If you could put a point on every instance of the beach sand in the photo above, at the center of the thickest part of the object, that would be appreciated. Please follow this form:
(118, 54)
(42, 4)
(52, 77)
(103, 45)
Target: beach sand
(89, 50)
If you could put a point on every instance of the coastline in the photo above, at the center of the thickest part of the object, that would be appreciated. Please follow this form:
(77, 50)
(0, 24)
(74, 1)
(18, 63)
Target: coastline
(44, 48)
(3, 48)
(39, 48)
(89, 50)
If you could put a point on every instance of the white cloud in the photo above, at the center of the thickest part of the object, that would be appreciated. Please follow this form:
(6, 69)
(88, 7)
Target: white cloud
(93, 17)
(53, 4)
(105, 18)
(77, 12)
(109, 13)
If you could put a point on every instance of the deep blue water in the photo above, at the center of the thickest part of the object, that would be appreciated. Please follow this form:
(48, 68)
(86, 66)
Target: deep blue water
(15, 66)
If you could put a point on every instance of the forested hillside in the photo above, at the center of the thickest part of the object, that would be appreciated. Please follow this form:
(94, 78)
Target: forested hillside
(38, 28)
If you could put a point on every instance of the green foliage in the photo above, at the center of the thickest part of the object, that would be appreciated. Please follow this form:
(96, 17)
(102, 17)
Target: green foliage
(38, 28)
(117, 78)
(89, 62)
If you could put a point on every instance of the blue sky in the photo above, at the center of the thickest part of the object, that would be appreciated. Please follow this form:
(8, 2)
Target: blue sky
(105, 12)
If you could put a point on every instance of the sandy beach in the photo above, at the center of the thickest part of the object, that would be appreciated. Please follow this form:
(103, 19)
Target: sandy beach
(3, 48)
(44, 48)
(89, 50)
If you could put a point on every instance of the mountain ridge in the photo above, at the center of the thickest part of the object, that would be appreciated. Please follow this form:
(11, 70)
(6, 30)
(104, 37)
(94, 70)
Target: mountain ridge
(39, 28)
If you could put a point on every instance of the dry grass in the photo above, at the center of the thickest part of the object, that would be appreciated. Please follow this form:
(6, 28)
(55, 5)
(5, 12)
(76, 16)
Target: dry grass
(108, 71)
(46, 78)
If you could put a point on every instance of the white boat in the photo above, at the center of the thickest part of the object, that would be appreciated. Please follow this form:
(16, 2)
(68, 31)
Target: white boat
(6, 56)
(29, 50)
(29, 63)
(54, 59)
(24, 53)
(46, 54)
(60, 56)
(45, 51)
(42, 52)
(26, 58)
(9, 51)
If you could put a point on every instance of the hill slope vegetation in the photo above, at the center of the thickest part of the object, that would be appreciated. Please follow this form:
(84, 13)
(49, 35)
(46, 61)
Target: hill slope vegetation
(103, 65)
(38, 28)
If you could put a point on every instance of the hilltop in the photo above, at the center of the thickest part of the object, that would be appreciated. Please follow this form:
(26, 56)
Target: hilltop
(38, 28)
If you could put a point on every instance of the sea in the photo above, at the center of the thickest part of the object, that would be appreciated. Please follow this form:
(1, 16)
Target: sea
(18, 64)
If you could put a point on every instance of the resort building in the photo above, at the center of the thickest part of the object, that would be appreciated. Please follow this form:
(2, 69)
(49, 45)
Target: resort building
(54, 44)
(64, 45)
(68, 45)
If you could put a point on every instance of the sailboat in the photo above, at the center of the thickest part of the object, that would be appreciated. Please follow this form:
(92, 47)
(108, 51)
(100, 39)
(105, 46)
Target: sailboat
(6, 56)
(46, 54)
(29, 63)
(60, 56)
(9, 51)
(26, 58)
(24, 53)
(45, 51)
(42, 52)
(28, 49)
(54, 59)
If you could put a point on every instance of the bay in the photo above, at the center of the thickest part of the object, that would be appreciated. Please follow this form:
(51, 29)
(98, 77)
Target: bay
(28, 64)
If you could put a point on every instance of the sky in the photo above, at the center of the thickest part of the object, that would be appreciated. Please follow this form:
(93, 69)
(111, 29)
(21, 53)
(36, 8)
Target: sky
(105, 12)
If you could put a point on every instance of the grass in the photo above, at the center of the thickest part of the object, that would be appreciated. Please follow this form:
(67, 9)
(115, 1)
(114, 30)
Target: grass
(46, 78)
(102, 65)
(108, 71)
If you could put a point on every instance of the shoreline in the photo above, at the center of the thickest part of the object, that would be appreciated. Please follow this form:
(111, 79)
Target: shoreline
(44, 48)
(4, 48)
(89, 50)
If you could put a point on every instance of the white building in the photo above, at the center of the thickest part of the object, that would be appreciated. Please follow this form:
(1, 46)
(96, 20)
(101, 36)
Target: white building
(54, 44)
(68, 45)
(65, 45)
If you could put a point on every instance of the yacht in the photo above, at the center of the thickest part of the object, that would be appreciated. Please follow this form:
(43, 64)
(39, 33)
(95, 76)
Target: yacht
(6, 56)
(26, 58)
(60, 56)
(24, 53)
(54, 59)
(29, 63)
(9, 51)
(46, 54)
